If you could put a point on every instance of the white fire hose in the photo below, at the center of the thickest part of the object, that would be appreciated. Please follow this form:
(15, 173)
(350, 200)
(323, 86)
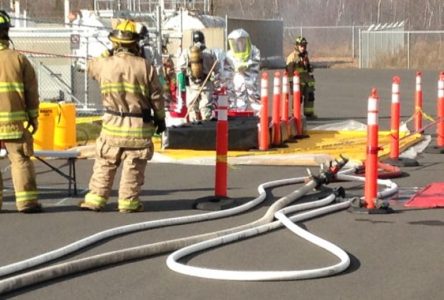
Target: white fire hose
(63, 269)
(173, 264)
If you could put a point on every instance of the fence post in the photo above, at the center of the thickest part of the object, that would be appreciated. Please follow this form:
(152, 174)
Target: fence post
(353, 42)
(408, 50)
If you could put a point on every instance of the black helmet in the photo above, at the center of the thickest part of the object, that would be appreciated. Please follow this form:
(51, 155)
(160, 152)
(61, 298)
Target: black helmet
(143, 32)
(5, 20)
(198, 37)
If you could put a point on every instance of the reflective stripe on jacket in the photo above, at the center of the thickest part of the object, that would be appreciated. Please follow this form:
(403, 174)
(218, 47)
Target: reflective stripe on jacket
(128, 84)
(303, 66)
(19, 99)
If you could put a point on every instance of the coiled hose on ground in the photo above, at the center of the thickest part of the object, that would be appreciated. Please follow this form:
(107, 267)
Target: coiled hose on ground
(47, 273)
(174, 264)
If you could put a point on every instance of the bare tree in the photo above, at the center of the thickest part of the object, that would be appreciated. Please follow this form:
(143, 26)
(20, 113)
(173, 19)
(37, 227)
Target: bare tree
(419, 14)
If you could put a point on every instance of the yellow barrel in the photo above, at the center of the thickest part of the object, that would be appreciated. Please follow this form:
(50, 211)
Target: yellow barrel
(44, 137)
(65, 135)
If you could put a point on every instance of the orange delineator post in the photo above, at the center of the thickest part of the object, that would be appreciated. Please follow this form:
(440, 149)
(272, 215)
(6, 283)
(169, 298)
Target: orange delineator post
(285, 104)
(220, 189)
(264, 133)
(276, 109)
(418, 102)
(395, 119)
(297, 102)
(371, 164)
(440, 106)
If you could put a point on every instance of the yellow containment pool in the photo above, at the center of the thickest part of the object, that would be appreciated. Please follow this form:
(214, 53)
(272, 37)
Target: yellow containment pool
(65, 135)
(44, 137)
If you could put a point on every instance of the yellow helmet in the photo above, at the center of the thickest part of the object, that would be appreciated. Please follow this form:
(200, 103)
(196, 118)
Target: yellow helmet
(300, 40)
(124, 33)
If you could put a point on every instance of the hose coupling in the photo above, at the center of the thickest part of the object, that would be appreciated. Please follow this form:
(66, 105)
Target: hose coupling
(339, 193)
(328, 175)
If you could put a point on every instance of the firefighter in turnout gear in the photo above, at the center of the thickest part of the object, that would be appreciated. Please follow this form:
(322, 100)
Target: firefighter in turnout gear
(134, 111)
(197, 62)
(298, 61)
(19, 103)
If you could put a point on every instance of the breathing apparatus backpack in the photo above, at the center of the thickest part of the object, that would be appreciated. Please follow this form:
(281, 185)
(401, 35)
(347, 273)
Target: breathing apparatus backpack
(196, 64)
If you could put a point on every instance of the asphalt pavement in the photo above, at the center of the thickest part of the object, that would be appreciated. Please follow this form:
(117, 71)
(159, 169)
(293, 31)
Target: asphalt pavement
(393, 256)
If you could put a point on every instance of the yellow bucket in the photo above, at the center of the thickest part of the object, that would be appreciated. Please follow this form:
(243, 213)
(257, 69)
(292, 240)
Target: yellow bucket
(65, 135)
(44, 136)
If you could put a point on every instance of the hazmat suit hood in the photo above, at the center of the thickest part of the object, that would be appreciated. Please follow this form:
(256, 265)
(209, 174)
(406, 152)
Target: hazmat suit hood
(240, 44)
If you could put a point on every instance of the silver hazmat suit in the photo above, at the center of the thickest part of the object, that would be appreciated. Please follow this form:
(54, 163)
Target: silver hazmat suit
(241, 71)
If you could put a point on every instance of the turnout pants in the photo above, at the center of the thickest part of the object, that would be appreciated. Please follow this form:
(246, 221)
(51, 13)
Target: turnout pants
(200, 108)
(108, 159)
(22, 171)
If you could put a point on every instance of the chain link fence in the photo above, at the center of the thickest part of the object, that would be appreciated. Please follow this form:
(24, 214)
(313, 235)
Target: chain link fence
(60, 65)
(60, 78)
(402, 49)
(375, 46)
(326, 43)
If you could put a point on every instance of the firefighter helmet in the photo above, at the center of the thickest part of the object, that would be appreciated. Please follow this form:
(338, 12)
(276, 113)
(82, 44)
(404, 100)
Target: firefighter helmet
(300, 40)
(198, 37)
(142, 30)
(5, 20)
(124, 33)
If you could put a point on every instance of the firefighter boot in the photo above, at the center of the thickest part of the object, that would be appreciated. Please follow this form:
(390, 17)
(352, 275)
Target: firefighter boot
(29, 207)
(130, 206)
(309, 107)
(84, 205)
(93, 202)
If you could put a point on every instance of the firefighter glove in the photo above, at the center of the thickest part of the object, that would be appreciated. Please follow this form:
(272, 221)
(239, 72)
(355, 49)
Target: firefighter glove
(107, 53)
(160, 125)
(34, 123)
(242, 68)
